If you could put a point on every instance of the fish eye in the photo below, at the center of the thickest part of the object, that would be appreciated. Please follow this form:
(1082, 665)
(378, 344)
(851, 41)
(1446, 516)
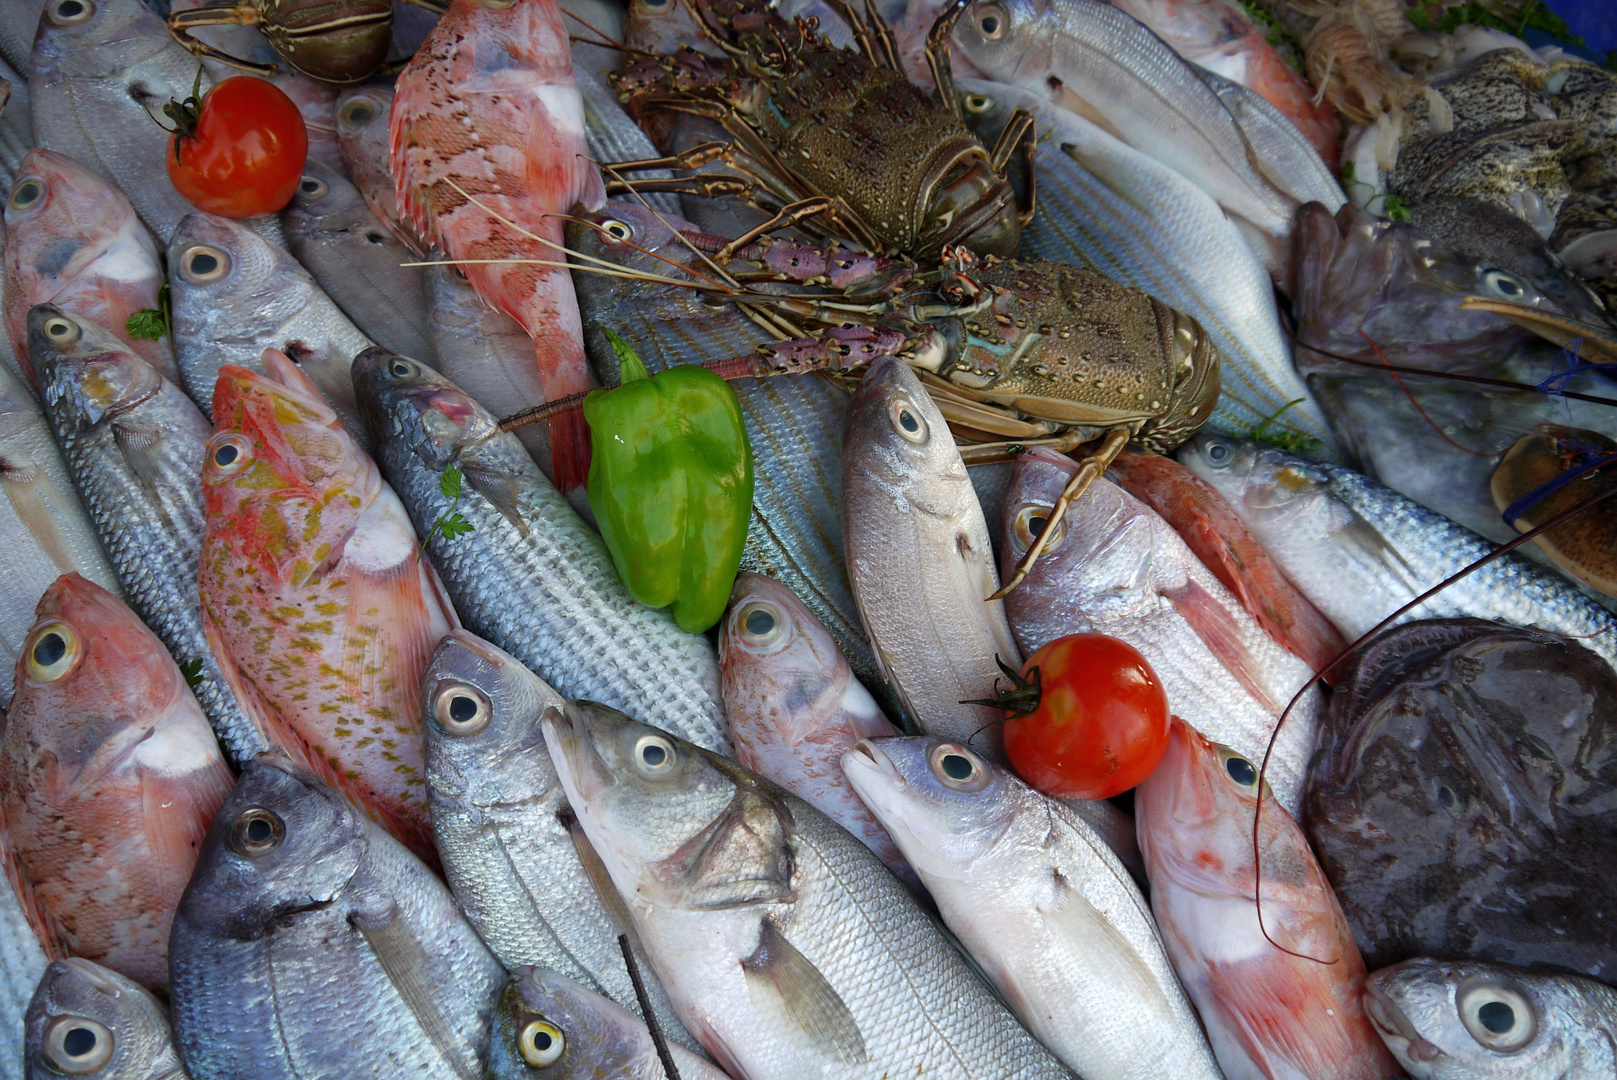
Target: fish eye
(461, 709)
(1238, 768)
(907, 420)
(60, 330)
(69, 12)
(28, 191)
(1218, 453)
(541, 1043)
(654, 5)
(1497, 1015)
(958, 768)
(230, 453)
(313, 187)
(256, 832)
(358, 112)
(203, 264)
(76, 1044)
(617, 231)
(1505, 285)
(762, 624)
(991, 20)
(401, 367)
(654, 756)
(53, 650)
(1030, 521)
(978, 103)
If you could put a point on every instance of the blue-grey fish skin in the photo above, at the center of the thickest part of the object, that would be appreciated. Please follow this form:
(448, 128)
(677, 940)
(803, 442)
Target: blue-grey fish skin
(133, 443)
(310, 943)
(82, 1011)
(16, 125)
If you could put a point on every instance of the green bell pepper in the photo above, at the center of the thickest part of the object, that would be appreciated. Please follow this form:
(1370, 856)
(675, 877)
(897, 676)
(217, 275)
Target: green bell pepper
(671, 485)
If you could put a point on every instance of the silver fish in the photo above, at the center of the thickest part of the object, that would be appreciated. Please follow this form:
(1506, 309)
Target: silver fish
(1289, 159)
(133, 443)
(99, 73)
(503, 829)
(87, 1020)
(18, 21)
(1360, 551)
(787, 948)
(234, 295)
(311, 943)
(362, 116)
(358, 261)
(16, 125)
(920, 561)
(21, 964)
(532, 577)
(1466, 1020)
(1042, 905)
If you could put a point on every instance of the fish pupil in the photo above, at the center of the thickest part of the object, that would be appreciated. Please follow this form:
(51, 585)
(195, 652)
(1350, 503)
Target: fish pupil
(203, 263)
(400, 369)
(70, 8)
(1497, 1017)
(1241, 771)
(50, 650)
(760, 622)
(360, 114)
(309, 186)
(653, 755)
(462, 709)
(1218, 452)
(1445, 796)
(259, 831)
(907, 421)
(990, 25)
(78, 1042)
(26, 194)
(1036, 526)
(542, 1040)
(957, 767)
(225, 456)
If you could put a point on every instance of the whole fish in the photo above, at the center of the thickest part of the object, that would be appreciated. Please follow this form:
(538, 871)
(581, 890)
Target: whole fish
(87, 1020)
(234, 295)
(317, 104)
(488, 111)
(109, 776)
(532, 576)
(310, 943)
(787, 948)
(316, 597)
(1360, 551)
(362, 120)
(73, 240)
(794, 707)
(548, 1026)
(98, 75)
(508, 841)
(1115, 567)
(1278, 990)
(1039, 901)
(133, 443)
(920, 561)
(1218, 537)
(1463, 1020)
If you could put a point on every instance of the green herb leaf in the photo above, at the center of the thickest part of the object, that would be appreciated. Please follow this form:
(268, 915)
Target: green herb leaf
(147, 324)
(633, 369)
(450, 523)
(1294, 442)
(192, 670)
(454, 525)
(449, 482)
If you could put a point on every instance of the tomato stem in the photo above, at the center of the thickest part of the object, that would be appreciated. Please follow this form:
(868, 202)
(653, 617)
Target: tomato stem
(185, 114)
(1021, 699)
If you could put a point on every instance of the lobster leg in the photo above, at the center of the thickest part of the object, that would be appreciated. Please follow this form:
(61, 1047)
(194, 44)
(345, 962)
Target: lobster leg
(181, 23)
(937, 55)
(861, 31)
(1018, 136)
(884, 36)
(787, 216)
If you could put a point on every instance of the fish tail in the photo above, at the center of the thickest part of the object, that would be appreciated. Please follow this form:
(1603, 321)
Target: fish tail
(570, 450)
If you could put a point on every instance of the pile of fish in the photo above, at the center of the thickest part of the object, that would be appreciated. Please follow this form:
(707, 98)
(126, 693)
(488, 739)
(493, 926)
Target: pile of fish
(337, 747)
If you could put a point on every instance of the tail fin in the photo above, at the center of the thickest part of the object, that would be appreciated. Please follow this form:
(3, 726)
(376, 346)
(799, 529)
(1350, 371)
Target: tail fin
(570, 450)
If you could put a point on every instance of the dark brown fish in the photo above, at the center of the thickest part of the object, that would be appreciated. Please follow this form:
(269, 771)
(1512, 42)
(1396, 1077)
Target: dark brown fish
(1586, 547)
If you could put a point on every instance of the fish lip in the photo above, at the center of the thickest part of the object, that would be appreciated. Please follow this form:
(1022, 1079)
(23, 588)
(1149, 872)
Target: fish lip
(874, 777)
(1391, 1023)
(567, 730)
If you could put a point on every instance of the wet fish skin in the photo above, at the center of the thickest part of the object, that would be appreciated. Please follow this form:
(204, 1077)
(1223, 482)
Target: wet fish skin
(362, 120)
(1043, 906)
(77, 995)
(334, 953)
(920, 561)
(1560, 1025)
(545, 589)
(133, 443)
(109, 776)
(794, 707)
(787, 947)
(16, 125)
(22, 962)
(20, 18)
(501, 825)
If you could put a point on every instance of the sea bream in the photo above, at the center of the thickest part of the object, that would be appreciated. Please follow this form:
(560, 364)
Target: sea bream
(87, 1020)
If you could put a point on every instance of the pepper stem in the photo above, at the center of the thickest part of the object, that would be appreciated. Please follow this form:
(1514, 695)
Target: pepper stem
(1022, 698)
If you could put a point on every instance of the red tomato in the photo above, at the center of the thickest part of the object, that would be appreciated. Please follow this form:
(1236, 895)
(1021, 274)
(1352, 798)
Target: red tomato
(241, 152)
(1100, 724)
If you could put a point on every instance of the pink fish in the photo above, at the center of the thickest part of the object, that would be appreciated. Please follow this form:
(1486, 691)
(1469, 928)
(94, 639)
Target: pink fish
(73, 240)
(1285, 1007)
(315, 595)
(489, 106)
(109, 777)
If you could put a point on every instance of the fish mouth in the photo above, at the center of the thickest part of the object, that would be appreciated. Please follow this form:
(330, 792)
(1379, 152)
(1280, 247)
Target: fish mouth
(1392, 1024)
(572, 749)
(91, 974)
(875, 779)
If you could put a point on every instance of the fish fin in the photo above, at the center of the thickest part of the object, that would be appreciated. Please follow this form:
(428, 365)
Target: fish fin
(570, 450)
(1276, 1010)
(397, 948)
(1353, 533)
(503, 490)
(600, 879)
(140, 446)
(53, 944)
(262, 714)
(175, 812)
(1217, 629)
(31, 492)
(783, 981)
(1071, 917)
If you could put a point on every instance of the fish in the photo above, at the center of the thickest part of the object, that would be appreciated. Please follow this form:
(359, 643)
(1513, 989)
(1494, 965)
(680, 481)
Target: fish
(506, 77)
(234, 295)
(98, 75)
(22, 962)
(1041, 903)
(531, 577)
(1287, 153)
(1218, 537)
(305, 925)
(1454, 795)
(920, 561)
(546, 1025)
(1115, 567)
(1360, 551)
(73, 240)
(317, 103)
(1278, 989)
(1461, 1020)
(18, 21)
(362, 121)
(794, 707)
(509, 844)
(16, 123)
(88, 1020)
(358, 262)
(109, 776)
(316, 596)
(1581, 548)
(786, 946)
(133, 444)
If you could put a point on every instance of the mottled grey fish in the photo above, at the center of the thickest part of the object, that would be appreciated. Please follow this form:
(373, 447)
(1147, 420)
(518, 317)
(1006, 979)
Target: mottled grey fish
(87, 1020)
(16, 126)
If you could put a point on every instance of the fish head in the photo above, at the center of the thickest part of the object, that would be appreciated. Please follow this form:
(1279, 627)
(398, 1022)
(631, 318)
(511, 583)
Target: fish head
(88, 38)
(1271, 485)
(282, 843)
(484, 744)
(899, 441)
(362, 113)
(1465, 1020)
(771, 644)
(1004, 39)
(675, 825)
(325, 201)
(407, 402)
(660, 27)
(60, 217)
(85, 373)
(223, 274)
(613, 232)
(944, 805)
(87, 1020)
(548, 1027)
(280, 473)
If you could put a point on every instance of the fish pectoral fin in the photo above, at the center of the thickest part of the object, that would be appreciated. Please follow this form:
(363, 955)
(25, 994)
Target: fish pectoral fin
(141, 446)
(783, 982)
(1361, 539)
(53, 944)
(31, 493)
(397, 948)
(1275, 1011)
(1218, 630)
(502, 490)
(1071, 917)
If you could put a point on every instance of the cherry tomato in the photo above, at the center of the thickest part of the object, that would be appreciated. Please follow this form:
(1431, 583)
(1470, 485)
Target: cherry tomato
(1098, 724)
(240, 152)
